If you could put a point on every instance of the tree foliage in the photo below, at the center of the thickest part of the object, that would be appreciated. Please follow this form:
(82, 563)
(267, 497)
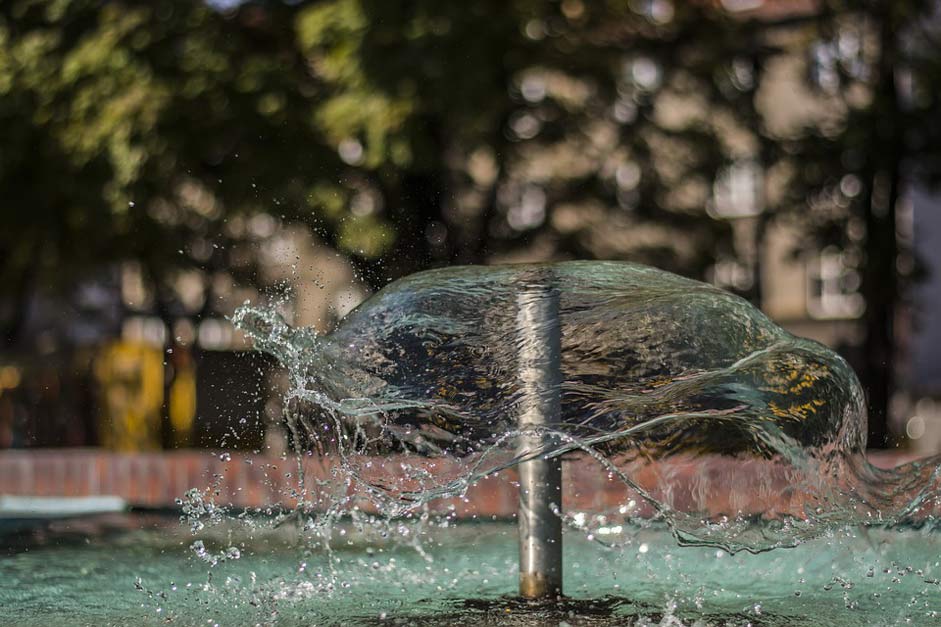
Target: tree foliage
(535, 125)
(136, 130)
(406, 133)
(418, 133)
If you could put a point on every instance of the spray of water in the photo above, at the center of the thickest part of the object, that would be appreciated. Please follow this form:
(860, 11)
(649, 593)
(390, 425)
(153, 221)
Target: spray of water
(658, 373)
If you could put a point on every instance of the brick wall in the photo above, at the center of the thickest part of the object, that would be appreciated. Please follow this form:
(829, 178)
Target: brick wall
(157, 480)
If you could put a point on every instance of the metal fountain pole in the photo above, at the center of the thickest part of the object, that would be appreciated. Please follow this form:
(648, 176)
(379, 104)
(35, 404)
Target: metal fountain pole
(540, 372)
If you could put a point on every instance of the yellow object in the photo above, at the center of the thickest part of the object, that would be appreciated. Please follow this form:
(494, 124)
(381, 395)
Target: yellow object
(182, 402)
(131, 376)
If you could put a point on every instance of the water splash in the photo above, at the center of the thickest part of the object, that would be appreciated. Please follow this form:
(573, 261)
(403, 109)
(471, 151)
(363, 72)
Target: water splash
(659, 373)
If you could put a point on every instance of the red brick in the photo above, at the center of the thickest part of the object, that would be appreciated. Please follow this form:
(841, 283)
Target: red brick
(158, 479)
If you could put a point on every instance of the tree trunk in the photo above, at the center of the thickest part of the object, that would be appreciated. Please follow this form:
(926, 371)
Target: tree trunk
(11, 333)
(880, 280)
(418, 201)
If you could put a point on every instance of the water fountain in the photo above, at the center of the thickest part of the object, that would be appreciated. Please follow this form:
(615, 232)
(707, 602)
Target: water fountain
(699, 421)
(622, 364)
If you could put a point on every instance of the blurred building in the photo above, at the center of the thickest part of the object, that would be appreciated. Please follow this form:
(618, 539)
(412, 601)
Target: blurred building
(815, 293)
(921, 421)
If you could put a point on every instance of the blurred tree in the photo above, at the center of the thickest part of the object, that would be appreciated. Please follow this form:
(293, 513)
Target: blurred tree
(414, 133)
(876, 62)
(563, 129)
(455, 134)
(141, 130)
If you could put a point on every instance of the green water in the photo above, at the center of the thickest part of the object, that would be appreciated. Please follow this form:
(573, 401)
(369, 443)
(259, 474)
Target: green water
(138, 570)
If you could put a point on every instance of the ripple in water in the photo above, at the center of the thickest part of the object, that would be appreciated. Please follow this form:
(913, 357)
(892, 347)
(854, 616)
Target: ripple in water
(659, 374)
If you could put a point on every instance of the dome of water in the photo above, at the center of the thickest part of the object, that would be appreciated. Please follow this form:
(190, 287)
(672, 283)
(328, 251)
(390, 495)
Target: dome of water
(656, 371)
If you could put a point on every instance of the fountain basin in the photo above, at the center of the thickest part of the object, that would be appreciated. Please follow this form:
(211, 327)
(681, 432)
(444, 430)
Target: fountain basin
(140, 569)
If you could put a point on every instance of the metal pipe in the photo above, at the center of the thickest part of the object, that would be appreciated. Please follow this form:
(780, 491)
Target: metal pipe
(540, 372)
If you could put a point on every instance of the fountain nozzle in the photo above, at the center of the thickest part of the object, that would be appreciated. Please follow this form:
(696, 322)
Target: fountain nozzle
(540, 372)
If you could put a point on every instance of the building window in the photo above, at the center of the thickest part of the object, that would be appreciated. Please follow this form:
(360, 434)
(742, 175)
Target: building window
(834, 59)
(731, 274)
(737, 191)
(833, 287)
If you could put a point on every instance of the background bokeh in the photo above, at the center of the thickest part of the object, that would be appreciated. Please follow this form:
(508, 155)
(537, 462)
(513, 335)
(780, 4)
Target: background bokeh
(162, 161)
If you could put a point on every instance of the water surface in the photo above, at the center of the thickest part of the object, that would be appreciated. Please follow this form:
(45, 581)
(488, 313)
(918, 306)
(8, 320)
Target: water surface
(150, 575)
